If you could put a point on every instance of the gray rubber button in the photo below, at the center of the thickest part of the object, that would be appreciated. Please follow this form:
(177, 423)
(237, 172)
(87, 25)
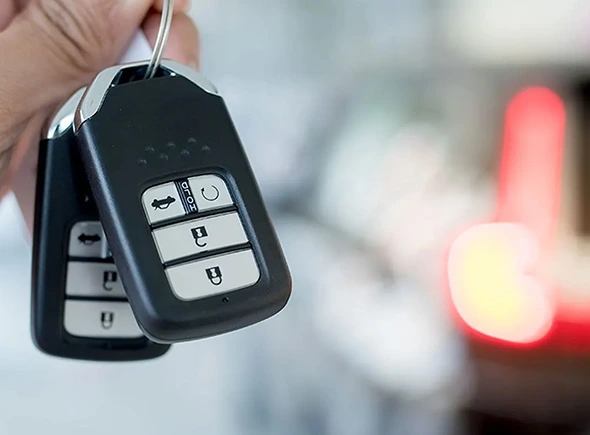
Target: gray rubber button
(210, 192)
(199, 235)
(98, 319)
(87, 240)
(162, 202)
(93, 280)
(218, 274)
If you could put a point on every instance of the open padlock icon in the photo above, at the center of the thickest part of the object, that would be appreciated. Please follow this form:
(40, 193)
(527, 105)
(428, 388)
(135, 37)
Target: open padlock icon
(199, 233)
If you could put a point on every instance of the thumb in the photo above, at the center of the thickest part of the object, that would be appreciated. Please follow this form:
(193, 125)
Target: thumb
(57, 46)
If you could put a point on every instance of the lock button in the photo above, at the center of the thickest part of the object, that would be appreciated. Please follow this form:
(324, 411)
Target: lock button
(213, 275)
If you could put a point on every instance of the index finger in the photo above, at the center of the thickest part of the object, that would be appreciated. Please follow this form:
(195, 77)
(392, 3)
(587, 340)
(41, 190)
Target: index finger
(183, 41)
(179, 5)
(7, 13)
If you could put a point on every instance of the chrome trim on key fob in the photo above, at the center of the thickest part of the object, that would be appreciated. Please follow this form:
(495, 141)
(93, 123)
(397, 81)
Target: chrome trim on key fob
(96, 92)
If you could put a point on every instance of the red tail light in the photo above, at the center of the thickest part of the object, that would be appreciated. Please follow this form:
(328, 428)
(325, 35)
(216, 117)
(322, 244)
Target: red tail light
(493, 268)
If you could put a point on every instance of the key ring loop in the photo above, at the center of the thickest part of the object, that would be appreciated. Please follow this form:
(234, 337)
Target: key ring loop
(161, 40)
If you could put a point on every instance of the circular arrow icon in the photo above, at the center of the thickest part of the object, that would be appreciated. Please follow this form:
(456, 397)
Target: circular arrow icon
(213, 197)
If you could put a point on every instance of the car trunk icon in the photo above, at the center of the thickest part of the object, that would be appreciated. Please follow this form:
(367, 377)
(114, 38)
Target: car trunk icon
(163, 204)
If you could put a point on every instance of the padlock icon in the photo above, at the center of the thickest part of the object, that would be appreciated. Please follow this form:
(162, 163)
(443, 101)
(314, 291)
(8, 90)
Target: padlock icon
(106, 319)
(109, 278)
(214, 275)
(200, 233)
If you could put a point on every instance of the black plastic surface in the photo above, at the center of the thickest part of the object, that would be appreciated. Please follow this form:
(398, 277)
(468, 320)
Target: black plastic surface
(152, 131)
(62, 199)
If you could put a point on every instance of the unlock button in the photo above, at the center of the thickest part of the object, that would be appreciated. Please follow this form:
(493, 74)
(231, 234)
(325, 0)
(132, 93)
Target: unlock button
(199, 235)
(213, 275)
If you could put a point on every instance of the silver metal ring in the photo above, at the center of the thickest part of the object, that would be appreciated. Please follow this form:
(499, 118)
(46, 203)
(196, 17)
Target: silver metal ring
(161, 40)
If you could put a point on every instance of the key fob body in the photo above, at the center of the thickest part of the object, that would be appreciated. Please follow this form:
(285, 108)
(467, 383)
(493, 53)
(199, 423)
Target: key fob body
(79, 307)
(179, 203)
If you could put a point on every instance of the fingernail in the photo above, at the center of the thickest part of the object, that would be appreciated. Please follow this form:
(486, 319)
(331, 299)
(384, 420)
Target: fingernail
(194, 65)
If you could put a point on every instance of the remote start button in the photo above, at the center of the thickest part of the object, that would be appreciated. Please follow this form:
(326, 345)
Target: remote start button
(87, 240)
(97, 319)
(213, 275)
(210, 192)
(93, 280)
(162, 202)
(199, 235)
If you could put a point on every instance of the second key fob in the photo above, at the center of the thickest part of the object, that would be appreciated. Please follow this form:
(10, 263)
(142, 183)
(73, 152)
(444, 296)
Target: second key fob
(180, 206)
(79, 306)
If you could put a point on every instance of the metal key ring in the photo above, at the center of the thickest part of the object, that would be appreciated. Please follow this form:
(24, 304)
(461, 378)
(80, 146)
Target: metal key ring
(161, 40)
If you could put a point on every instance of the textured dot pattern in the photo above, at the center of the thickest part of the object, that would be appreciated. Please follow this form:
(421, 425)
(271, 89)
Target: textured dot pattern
(168, 150)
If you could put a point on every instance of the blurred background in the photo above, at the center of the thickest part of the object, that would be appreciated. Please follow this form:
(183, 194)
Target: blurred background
(425, 165)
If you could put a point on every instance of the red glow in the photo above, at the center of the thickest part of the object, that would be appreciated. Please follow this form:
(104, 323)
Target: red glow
(530, 170)
(492, 268)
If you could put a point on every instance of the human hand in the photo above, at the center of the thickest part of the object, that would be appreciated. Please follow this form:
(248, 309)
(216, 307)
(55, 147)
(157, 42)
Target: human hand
(51, 48)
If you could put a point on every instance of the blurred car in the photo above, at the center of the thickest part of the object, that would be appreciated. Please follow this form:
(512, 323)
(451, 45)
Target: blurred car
(448, 185)
(518, 280)
(516, 276)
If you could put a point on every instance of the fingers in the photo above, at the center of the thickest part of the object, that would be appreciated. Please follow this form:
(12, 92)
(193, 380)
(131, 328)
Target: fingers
(54, 47)
(183, 41)
(58, 46)
(51, 49)
(7, 13)
(22, 173)
(179, 5)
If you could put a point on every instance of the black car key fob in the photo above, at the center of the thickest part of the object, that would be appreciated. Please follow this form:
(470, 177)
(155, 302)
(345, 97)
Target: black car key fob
(79, 306)
(179, 203)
